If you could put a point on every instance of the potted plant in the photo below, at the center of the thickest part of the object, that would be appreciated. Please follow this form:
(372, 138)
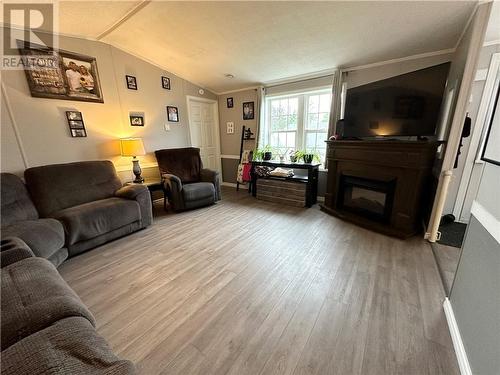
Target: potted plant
(257, 154)
(294, 156)
(309, 156)
(267, 153)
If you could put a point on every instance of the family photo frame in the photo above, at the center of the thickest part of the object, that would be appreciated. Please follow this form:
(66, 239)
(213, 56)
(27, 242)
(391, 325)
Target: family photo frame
(61, 74)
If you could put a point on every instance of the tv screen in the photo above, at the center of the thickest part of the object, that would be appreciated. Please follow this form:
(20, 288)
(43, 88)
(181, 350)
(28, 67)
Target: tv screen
(405, 105)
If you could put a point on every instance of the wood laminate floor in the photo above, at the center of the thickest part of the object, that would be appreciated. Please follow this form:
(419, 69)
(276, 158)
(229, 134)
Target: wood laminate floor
(251, 287)
(447, 258)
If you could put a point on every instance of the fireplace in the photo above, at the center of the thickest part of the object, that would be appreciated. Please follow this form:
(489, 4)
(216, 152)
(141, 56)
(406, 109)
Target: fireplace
(372, 199)
(382, 185)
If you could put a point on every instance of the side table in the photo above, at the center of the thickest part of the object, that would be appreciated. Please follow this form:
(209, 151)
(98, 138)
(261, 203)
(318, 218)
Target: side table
(153, 185)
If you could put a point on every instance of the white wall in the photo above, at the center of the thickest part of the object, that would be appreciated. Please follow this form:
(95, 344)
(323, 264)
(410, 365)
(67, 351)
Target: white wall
(42, 126)
(472, 109)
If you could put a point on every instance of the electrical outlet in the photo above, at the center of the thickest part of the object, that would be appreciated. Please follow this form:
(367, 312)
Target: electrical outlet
(230, 127)
(167, 127)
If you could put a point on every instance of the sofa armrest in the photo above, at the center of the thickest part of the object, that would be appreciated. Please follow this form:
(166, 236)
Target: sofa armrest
(131, 191)
(209, 175)
(141, 195)
(12, 250)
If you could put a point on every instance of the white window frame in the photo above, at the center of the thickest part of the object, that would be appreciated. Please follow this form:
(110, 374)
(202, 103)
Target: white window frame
(302, 113)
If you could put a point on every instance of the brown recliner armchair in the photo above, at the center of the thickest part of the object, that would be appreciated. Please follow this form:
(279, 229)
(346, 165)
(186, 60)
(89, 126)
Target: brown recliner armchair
(187, 183)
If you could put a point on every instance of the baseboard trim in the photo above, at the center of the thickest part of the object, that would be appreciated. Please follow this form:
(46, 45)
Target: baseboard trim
(229, 184)
(458, 345)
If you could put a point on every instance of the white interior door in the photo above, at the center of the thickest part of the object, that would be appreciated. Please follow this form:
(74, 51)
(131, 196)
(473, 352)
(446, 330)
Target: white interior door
(203, 127)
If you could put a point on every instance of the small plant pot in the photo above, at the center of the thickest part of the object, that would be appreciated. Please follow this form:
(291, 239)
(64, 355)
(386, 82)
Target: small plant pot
(293, 159)
(268, 156)
(308, 158)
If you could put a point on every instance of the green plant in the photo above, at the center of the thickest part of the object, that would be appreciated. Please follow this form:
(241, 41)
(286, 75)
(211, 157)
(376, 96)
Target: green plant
(258, 153)
(315, 154)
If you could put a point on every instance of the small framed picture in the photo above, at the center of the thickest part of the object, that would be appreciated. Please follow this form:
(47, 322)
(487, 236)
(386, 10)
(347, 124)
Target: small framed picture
(165, 83)
(229, 102)
(78, 133)
(136, 120)
(248, 111)
(172, 114)
(74, 115)
(75, 122)
(131, 82)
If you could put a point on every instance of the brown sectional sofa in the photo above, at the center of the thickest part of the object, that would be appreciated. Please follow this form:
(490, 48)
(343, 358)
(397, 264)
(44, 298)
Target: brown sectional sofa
(65, 209)
(45, 328)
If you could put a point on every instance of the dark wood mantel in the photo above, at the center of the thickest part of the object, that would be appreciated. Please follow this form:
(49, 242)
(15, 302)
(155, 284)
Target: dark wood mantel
(407, 163)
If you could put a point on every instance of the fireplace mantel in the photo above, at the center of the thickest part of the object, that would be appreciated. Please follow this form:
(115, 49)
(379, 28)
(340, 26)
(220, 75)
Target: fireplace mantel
(406, 163)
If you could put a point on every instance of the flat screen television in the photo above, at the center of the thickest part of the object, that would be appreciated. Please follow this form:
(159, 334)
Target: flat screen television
(405, 105)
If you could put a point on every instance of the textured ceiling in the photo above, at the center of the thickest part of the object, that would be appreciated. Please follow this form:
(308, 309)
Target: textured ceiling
(259, 42)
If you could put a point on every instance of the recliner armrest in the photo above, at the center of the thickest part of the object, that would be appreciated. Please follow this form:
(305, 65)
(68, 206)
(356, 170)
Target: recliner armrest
(131, 191)
(171, 182)
(209, 175)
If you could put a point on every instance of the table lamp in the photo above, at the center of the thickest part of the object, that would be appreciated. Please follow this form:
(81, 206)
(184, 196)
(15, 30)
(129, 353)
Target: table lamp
(133, 147)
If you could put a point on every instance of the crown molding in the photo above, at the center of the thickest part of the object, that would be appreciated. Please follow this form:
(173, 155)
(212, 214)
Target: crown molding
(301, 77)
(401, 59)
(491, 43)
(236, 90)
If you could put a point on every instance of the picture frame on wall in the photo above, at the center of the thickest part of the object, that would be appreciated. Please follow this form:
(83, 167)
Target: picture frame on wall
(248, 111)
(172, 114)
(131, 82)
(165, 83)
(136, 120)
(75, 123)
(61, 74)
(491, 151)
(230, 102)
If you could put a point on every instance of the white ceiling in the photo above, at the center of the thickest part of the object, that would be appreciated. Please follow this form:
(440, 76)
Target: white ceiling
(260, 42)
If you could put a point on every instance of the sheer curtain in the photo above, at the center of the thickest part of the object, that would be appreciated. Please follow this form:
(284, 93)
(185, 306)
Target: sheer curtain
(261, 104)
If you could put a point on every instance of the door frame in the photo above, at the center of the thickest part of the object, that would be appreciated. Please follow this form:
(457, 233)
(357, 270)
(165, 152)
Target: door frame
(477, 140)
(215, 107)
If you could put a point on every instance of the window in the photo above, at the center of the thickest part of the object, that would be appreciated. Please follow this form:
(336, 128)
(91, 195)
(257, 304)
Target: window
(298, 122)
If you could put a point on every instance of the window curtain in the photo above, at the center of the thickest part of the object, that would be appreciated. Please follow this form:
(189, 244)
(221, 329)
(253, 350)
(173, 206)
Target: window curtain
(336, 101)
(262, 133)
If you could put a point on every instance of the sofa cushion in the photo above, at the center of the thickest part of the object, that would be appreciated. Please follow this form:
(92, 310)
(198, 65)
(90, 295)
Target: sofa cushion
(43, 236)
(59, 186)
(199, 190)
(34, 296)
(16, 204)
(92, 219)
(69, 346)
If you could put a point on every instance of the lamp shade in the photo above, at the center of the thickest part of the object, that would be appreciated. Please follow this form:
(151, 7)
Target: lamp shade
(132, 147)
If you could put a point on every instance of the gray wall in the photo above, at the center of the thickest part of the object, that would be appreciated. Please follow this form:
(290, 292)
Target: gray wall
(42, 126)
(474, 296)
(230, 143)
